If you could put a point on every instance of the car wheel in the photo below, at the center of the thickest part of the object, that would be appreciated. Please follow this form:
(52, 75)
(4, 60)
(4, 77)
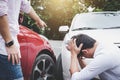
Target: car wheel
(59, 70)
(44, 68)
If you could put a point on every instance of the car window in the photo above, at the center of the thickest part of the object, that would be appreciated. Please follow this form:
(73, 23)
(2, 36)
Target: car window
(96, 21)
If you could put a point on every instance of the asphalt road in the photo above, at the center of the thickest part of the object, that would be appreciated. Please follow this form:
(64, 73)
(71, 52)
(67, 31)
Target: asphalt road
(56, 46)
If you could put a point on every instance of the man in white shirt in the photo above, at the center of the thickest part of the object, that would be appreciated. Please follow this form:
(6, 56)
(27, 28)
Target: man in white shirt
(9, 28)
(105, 61)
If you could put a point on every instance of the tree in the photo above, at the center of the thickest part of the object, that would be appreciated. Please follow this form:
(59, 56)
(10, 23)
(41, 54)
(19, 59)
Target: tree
(104, 5)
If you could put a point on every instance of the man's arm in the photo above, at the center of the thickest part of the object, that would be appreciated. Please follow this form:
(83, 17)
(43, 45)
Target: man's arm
(5, 32)
(27, 8)
(74, 52)
(4, 29)
(74, 64)
(36, 18)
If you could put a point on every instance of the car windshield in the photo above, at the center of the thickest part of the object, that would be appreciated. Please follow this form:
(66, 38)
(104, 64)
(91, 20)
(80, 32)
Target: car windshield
(90, 21)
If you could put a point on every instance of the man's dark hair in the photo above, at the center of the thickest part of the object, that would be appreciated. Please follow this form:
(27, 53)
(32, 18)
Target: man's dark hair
(87, 41)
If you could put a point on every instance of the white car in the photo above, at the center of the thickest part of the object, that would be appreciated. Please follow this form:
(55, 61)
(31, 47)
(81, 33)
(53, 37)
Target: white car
(103, 26)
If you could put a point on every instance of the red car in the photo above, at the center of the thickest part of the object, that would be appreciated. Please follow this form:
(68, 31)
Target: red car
(38, 60)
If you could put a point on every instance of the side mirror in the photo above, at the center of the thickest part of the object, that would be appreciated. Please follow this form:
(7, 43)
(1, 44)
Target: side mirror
(63, 29)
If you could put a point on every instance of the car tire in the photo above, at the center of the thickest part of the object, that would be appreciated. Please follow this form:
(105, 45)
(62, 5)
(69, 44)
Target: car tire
(59, 70)
(44, 68)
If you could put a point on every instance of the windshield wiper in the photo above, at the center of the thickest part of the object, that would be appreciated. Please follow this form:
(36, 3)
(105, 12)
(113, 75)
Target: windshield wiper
(112, 27)
(84, 28)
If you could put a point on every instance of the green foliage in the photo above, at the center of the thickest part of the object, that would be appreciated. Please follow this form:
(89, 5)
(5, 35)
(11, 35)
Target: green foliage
(31, 24)
(104, 5)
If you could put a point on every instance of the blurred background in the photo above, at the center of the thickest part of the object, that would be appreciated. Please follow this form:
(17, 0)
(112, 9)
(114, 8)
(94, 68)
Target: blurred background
(57, 13)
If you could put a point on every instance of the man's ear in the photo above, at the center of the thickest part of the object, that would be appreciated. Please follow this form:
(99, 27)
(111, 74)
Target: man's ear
(85, 51)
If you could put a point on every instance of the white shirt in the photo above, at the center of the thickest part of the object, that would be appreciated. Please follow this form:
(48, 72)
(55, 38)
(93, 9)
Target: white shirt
(12, 9)
(106, 64)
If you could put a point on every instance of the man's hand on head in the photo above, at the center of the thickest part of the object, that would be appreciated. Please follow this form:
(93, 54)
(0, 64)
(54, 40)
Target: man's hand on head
(72, 47)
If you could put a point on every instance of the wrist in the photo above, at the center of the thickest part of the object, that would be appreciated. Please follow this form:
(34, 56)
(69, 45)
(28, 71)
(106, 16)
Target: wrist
(73, 55)
(37, 18)
(9, 44)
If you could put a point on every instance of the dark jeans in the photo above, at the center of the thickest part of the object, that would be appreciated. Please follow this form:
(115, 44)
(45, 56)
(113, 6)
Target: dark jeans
(9, 71)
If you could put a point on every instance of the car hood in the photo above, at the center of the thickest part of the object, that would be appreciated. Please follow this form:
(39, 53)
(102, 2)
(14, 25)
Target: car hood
(106, 35)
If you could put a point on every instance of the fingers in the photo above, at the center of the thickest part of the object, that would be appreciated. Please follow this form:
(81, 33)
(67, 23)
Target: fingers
(14, 58)
(68, 48)
(73, 41)
(81, 45)
(41, 24)
(73, 47)
(9, 57)
(69, 45)
(45, 25)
